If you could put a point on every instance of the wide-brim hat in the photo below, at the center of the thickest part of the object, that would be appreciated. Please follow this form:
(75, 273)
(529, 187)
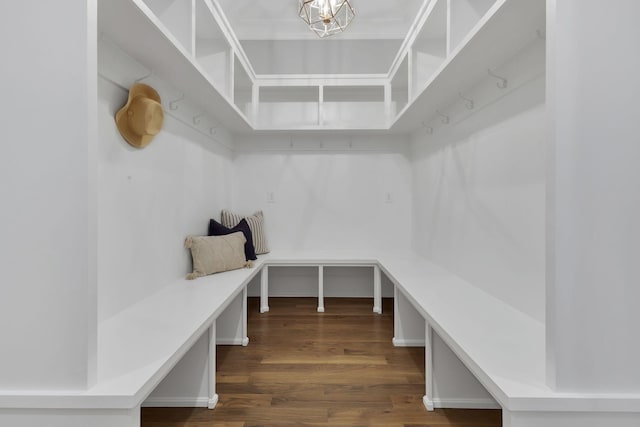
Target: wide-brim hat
(141, 117)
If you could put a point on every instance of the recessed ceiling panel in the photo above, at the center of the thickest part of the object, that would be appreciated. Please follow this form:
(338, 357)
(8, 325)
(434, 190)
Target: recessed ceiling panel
(278, 19)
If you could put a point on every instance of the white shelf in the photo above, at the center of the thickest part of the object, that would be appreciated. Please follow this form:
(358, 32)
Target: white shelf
(425, 78)
(141, 34)
(429, 49)
(509, 26)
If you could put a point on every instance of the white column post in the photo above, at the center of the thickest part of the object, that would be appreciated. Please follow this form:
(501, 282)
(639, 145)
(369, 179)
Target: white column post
(245, 333)
(213, 397)
(377, 290)
(320, 289)
(428, 356)
(396, 315)
(264, 290)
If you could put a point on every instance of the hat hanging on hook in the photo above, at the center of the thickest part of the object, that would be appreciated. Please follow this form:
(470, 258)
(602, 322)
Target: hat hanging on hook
(141, 118)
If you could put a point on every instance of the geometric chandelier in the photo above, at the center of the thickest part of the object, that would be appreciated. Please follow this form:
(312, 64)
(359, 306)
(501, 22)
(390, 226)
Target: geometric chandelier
(326, 17)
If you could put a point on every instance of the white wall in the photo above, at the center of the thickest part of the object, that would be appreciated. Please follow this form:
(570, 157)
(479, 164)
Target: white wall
(47, 220)
(329, 192)
(326, 195)
(150, 200)
(479, 193)
(594, 197)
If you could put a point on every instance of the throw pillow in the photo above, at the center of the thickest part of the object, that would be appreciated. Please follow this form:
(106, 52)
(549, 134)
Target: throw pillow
(256, 224)
(214, 254)
(217, 229)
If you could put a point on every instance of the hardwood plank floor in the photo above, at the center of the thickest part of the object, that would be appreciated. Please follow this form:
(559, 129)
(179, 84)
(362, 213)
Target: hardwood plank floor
(304, 368)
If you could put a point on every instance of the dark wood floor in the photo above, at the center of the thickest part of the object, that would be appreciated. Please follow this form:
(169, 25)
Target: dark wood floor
(304, 368)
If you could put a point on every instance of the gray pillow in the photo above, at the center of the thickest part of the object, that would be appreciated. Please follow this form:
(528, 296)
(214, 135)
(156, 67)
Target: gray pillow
(214, 254)
(256, 224)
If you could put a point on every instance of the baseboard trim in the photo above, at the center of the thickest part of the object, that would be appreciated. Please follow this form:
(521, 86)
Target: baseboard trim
(464, 403)
(428, 403)
(233, 341)
(204, 402)
(178, 402)
(407, 342)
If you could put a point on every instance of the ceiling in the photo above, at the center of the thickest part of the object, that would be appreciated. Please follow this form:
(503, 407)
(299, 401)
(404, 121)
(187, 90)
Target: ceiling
(278, 19)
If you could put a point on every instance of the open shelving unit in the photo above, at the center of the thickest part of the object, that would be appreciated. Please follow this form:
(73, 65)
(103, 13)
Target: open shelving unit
(134, 27)
(504, 30)
(449, 49)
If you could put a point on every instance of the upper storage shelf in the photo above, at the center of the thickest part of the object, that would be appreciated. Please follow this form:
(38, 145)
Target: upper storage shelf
(497, 35)
(161, 35)
(450, 48)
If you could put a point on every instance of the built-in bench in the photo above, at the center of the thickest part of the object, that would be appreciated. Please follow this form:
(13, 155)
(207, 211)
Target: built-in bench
(502, 347)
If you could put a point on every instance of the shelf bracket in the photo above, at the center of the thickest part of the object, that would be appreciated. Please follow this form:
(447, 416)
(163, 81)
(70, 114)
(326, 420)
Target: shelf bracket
(468, 103)
(443, 117)
(173, 105)
(502, 83)
(146, 76)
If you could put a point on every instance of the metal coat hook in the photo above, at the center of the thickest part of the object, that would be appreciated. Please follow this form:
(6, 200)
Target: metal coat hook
(213, 129)
(502, 84)
(541, 34)
(173, 104)
(467, 102)
(444, 118)
(196, 119)
(138, 80)
(427, 129)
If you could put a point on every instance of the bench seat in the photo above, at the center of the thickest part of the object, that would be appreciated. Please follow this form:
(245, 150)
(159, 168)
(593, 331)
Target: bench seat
(501, 346)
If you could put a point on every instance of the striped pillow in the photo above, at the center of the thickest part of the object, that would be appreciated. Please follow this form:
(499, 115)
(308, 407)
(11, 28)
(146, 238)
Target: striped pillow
(256, 224)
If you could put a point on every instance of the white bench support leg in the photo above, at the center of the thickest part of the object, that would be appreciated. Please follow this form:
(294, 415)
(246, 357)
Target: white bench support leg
(264, 290)
(213, 397)
(428, 356)
(396, 315)
(377, 290)
(320, 289)
(245, 332)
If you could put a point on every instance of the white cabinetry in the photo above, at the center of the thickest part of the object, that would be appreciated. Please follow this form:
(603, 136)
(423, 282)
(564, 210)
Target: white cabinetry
(449, 49)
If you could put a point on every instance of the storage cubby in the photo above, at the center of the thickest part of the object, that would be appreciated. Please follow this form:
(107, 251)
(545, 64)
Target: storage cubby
(213, 51)
(288, 107)
(429, 49)
(463, 16)
(353, 107)
(177, 17)
(242, 87)
(400, 88)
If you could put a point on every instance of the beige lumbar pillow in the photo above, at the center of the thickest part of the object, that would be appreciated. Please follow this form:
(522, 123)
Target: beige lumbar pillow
(214, 254)
(256, 225)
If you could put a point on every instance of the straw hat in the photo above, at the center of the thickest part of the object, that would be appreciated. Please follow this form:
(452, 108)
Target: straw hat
(142, 116)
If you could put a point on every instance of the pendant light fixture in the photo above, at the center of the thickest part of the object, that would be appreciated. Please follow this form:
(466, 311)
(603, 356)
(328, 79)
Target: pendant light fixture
(326, 17)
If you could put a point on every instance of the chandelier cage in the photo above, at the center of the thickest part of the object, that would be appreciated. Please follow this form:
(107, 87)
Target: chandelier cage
(326, 17)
